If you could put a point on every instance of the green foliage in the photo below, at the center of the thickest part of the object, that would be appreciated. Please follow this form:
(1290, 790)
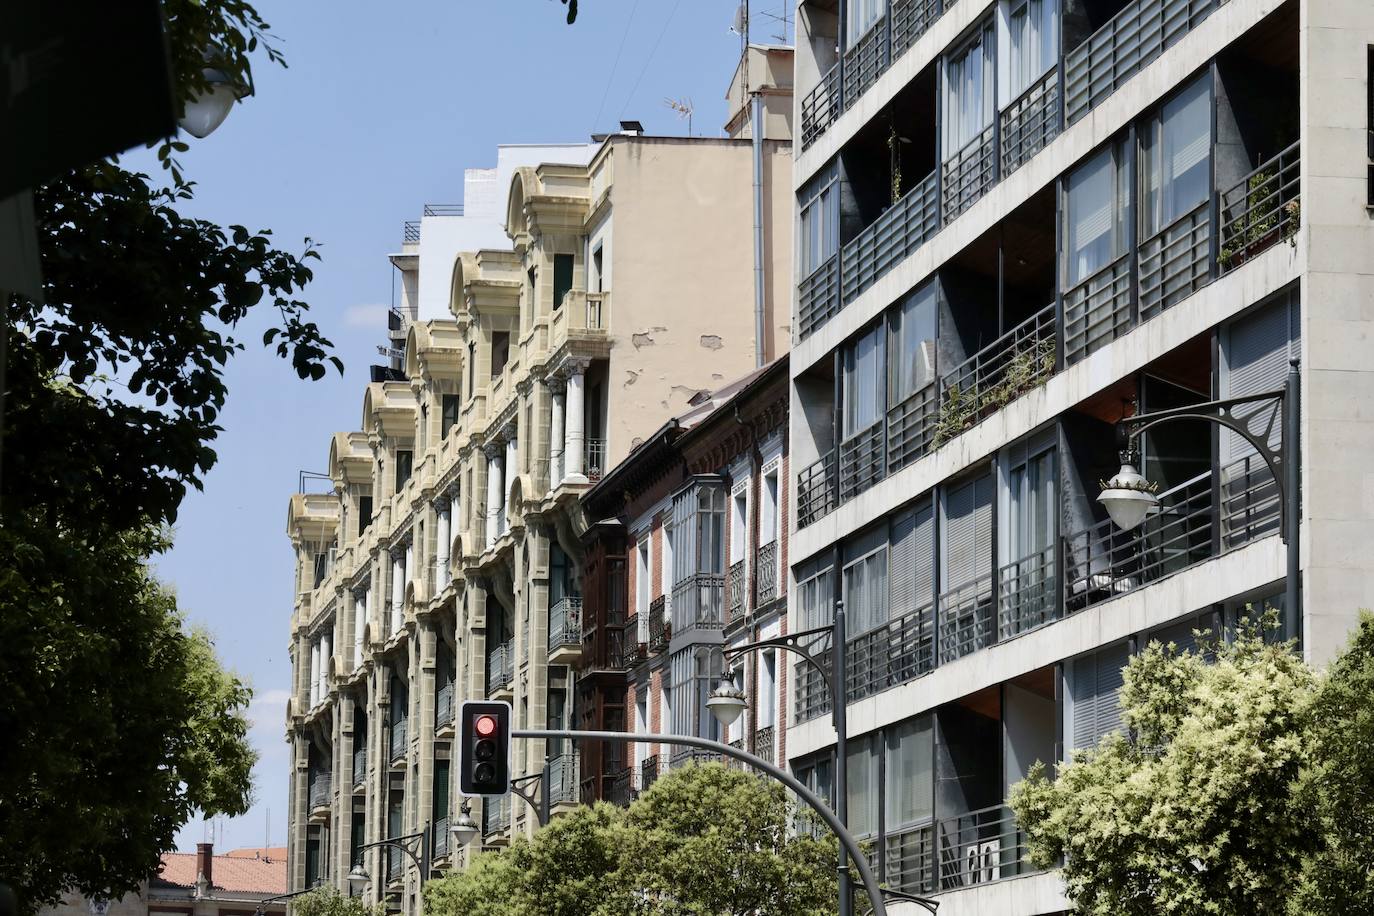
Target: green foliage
(1027, 368)
(328, 901)
(1196, 812)
(702, 840)
(118, 722)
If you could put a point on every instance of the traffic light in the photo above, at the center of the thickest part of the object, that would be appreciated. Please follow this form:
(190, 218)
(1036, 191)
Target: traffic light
(484, 758)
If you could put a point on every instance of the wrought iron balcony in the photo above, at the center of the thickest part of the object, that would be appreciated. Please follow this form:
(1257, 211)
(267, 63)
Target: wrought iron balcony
(564, 775)
(440, 836)
(321, 789)
(565, 624)
(443, 705)
(398, 739)
(500, 667)
(624, 787)
(596, 459)
(660, 628)
(636, 640)
(763, 743)
(496, 815)
(738, 588)
(698, 603)
(360, 761)
(648, 772)
(766, 574)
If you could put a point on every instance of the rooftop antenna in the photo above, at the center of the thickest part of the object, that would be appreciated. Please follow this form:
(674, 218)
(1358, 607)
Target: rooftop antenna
(684, 109)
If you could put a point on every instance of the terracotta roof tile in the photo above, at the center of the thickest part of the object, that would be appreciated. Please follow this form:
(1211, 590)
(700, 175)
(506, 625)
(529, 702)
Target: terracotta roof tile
(234, 873)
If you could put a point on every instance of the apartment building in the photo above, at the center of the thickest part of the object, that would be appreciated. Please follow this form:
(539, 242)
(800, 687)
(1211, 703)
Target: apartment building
(1020, 221)
(444, 561)
(686, 555)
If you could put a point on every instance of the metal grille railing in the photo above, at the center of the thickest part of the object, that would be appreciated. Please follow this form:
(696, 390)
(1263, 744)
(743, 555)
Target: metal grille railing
(1175, 262)
(766, 574)
(812, 696)
(398, 739)
(565, 623)
(1249, 502)
(624, 787)
(910, 20)
(909, 853)
(395, 864)
(1027, 596)
(410, 231)
(441, 836)
(1030, 122)
(911, 427)
(980, 847)
(496, 815)
(967, 619)
(1097, 310)
(732, 762)
(360, 761)
(443, 210)
(969, 173)
(500, 667)
(660, 629)
(737, 588)
(863, 461)
(889, 239)
(636, 640)
(818, 297)
(820, 107)
(816, 490)
(865, 61)
(698, 602)
(763, 743)
(1261, 209)
(443, 705)
(996, 375)
(891, 654)
(564, 779)
(1121, 48)
(648, 772)
(321, 789)
(596, 459)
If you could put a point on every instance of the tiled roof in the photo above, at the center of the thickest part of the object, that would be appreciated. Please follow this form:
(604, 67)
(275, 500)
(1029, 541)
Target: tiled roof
(232, 873)
(258, 852)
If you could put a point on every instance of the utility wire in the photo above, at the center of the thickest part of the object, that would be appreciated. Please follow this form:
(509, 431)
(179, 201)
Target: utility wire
(611, 76)
(652, 51)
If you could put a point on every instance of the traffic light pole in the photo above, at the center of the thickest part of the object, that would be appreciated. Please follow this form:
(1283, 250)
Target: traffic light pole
(875, 894)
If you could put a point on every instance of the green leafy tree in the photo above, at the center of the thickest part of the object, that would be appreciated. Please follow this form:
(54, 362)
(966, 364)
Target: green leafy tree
(1196, 812)
(702, 840)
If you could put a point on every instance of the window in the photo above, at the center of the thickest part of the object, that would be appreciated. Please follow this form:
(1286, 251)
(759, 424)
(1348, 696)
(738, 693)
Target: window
(641, 748)
(911, 561)
(1096, 214)
(1031, 501)
(472, 368)
(698, 531)
(863, 382)
(357, 837)
(1176, 157)
(739, 525)
(642, 577)
(862, 15)
(910, 784)
(862, 776)
(814, 597)
(598, 269)
(912, 352)
(500, 352)
(817, 774)
(562, 277)
(404, 465)
(768, 689)
(533, 301)
(1094, 707)
(818, 234)
(448, 413)
(969, 91)
(1033, 32)
(441, 787)
(865, 583)
(768, 508)
(968, 532)
(364, 513)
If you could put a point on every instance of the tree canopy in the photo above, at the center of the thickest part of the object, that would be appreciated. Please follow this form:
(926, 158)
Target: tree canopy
(702, 840)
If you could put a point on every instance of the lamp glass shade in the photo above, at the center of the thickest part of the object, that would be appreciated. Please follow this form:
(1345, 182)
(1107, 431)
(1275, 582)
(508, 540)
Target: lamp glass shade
(358, 876)
(208, 109)
(726, 702)
(1127, 498)
(464, 830)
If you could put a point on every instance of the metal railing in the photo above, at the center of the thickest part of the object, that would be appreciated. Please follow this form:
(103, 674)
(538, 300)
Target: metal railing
(443, 705)
(1124, 46)
(895, 652)
(496, 815)
(865, 61)
(698, 603)
(1027, 593)
(648, 772)
(660, 627)
(1261, 209)
(360, 761)
(812, 696)
(440, 836)
(910, 20)
(500, 667)
(1018, 361)
(911, 428)
(321, 789)
(909, 853)
(398, 739)
(818, 297)
(732, 762)
(980, 847)
(969, 173)
(821, 106)
(410, 231)
(636, 640)
(395, 864)
(766, 574)
(624, 787)
(565, 623)
(1176, 261)
(1097, 310)
(596, 459)
(967, 618)
(738, 587)
(863, 461)
(564, 777)
(887, 241)
(443, 210)
(817, 492)
(1030, 122)
(763, 743)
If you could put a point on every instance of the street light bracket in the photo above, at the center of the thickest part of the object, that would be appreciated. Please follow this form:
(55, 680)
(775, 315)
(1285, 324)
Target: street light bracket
(803, 643)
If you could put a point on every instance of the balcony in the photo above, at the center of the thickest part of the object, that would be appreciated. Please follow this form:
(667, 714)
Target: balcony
(974, 848)
(398, 744)
(1030, 122)
(817, 490)
(1098, 310)
(564, 770)
(321, 792)
(648, 772)
(766, 574)
(660, 629)
(763, 744)
(698, 604)
(863, 461)
(1176, 261)
(596, 459)
(818, 297)
(443, 706)
(500, 669)
(738, 588)
(360, 761)
(968, 174)
(891, 654)
(636, 641)
(967, 619)
(1027, 593)
(624, 787)
(565, 630)
(885, 243)
(440, 836)
(1261, 210)
(495, 818)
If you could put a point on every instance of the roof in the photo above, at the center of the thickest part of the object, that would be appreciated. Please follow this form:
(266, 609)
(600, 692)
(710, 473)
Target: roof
(258, 852)
(232, 873)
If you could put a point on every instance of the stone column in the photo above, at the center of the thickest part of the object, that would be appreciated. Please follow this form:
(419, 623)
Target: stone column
(314, 673)
(325, 640)
(495, 478)
(359, 624)
(408, 570)
(397, 593)
(576, 422)
(512, 468)
(443, 535)
(556, 444)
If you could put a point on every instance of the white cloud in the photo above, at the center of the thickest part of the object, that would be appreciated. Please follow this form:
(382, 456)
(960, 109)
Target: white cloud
(370, 315)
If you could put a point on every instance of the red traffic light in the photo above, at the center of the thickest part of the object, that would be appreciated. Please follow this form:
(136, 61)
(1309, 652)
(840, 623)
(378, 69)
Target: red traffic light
(484, 726)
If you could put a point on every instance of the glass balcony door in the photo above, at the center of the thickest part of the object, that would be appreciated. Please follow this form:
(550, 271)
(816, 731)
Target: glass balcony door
(970, 91)
(1032, 45)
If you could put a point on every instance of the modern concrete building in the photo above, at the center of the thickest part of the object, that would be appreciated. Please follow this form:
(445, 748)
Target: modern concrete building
(1018, 222)
(443, 562)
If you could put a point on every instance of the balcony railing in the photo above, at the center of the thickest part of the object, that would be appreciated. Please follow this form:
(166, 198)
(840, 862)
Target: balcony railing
(738, 588)
(1027, 593)
(863, 461)
(500, 667)
(817, 490)
(1137, 35)
(398, 739)
(496, 815)
(636, 640)
(698, 603)
(410, 231)
(766, 574)
(763, 743)
(624, 787)
(1018, 361)
(395, 864)
(866, 60)
(648, 772)
(320, 790)
(911, 861)
(1263, 208)
(812, 697)
(910, 20)
(1175, 262)
(565, 623)
(969, 173)
(660, 628)
(564, 772)
(443, 705)
(980, 847)
(911, 428)
(818, 297)
(891, 654)
(1030, 122)
(821, 106)
(887, 241)
(967, 619)
(441, 836)
(1097, 310)
(360, 761)
(596, 459)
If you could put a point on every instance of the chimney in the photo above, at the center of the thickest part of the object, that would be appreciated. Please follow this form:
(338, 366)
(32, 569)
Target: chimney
(205, 863)
(631, 128)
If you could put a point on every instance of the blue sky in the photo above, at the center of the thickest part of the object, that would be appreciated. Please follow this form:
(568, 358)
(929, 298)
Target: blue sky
(381, 109)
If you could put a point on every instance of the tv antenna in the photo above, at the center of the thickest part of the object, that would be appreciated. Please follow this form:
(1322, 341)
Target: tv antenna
(684, 109)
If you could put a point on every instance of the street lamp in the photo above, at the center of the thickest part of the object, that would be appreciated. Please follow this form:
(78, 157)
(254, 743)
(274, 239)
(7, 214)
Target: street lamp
(208, 108)
(464, 829)
(727, 701)
(1128, 497)
(358, 877)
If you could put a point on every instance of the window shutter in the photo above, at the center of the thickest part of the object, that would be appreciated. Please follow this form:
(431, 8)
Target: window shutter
(1257, 361)
(959, 535)
(901, 572)
(1083, 693)
(1110, 662)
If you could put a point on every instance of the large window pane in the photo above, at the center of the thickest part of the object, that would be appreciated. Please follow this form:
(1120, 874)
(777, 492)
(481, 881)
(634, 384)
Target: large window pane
(862, 779)
(1176, 157)
(1033, 34)
(970, 91)
(910, 793)
(865, 592)
(862, 15)
(1096, 216)
(863, 382)
(913, 344)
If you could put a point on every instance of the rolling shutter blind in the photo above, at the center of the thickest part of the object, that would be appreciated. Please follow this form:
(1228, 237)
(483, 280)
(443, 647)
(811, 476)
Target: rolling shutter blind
(901, 571)
(1257, 354)
(1095, 691)
(1110, 662)
(968, 532)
